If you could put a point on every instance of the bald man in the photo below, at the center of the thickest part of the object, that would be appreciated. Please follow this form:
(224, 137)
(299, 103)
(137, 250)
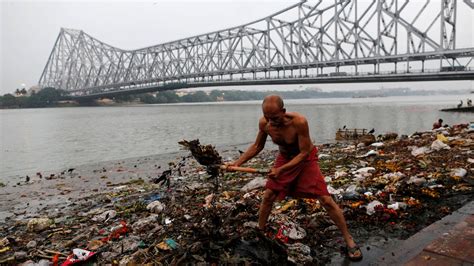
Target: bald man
(296, 171)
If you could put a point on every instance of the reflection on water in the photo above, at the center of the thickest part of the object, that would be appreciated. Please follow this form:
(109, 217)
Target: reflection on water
(42, 139)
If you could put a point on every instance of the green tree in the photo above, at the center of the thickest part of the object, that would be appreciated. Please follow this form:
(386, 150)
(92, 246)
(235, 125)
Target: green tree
(8, 100)
(167, 97)
(215, 94)
(124, 98)
(49, 95)
(45, 97)
(198, 96)
(22, 102)
(147, 98)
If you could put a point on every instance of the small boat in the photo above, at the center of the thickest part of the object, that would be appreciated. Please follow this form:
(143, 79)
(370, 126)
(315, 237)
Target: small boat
(359, 135)
(460, 109)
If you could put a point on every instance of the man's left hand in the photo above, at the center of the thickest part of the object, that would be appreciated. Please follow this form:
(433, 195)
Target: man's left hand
(274, 173)
(228, 165)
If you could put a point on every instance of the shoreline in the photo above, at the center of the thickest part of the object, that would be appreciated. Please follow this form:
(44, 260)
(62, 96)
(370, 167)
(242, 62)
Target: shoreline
(74, 199)
(119, 170)
(340, 98)
(22, 173)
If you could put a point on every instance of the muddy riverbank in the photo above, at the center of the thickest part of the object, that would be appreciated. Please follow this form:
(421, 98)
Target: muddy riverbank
(166, 210)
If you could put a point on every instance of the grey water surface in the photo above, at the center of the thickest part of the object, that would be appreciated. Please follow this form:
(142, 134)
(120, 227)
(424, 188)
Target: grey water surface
(54, 138)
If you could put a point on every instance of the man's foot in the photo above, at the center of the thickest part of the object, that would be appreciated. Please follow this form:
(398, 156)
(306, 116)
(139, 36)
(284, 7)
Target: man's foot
(353, 253)
(264, 233)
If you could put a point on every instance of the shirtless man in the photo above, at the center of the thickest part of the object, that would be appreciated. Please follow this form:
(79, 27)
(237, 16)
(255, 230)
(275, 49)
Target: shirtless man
(296, 171)
(438, 124)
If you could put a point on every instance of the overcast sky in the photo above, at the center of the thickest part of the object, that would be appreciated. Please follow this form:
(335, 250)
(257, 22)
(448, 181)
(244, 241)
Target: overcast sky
(29, 29)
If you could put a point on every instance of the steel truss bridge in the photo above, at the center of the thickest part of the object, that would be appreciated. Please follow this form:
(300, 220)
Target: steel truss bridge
(309, 42)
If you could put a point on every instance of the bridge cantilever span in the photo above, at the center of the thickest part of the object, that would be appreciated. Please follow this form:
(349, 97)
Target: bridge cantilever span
(308, 42)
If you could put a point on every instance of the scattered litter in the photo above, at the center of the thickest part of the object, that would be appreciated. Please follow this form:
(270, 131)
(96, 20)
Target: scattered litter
(167, 244)
(39, 224)
(339, 174)
(377, 144)
(31, 244)
(416, 180)
(442, 138)
(420, 151)
(372, 205)
(299, 253)
(369, 153)
(110, 214)
(364, 171)
(324, 156)
(155, 207)
(458, 172)
(398, 187)
(78, 255)
(4, 242)
(439, 145)
(296, 232)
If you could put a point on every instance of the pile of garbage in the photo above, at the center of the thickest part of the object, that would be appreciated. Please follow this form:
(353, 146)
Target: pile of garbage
(392, 188)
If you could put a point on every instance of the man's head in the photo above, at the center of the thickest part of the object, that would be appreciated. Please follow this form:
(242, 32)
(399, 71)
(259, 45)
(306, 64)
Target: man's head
(273, 110)
(440, 121)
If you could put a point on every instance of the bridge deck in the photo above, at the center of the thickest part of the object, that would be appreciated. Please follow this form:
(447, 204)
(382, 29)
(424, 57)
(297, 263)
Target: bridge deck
(427, 76)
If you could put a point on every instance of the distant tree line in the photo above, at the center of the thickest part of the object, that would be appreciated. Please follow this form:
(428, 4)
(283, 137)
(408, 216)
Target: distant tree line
(219, 95)
(47, 97)
(239, 95)
(193, 97)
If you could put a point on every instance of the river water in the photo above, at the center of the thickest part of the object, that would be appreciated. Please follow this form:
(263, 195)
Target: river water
(56, 138)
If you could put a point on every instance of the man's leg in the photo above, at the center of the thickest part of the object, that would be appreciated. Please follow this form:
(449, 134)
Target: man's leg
(336, 215)
(265, 208)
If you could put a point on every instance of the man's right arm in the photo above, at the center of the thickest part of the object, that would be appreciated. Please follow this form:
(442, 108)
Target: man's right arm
(256, 147)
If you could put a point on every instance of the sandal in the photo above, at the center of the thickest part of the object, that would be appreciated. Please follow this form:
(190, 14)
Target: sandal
(351, 253)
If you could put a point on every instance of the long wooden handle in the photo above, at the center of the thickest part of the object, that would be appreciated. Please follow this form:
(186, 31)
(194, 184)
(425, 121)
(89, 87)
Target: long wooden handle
(244, 169)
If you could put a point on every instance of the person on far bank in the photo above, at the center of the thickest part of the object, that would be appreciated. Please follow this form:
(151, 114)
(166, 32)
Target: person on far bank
(438, 124)
(296, 171)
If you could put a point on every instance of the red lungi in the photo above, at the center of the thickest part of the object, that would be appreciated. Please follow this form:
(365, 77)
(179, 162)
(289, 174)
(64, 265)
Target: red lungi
(304, 180)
